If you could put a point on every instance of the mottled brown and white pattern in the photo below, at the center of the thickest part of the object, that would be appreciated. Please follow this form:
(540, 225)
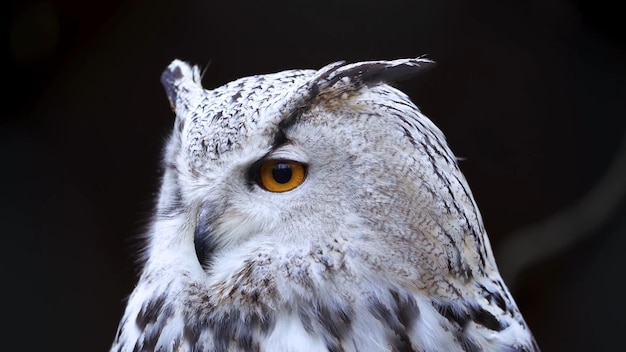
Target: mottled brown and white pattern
(380, 247)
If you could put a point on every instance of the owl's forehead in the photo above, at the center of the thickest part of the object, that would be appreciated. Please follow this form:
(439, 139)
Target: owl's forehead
(237, 113)
(261, 87)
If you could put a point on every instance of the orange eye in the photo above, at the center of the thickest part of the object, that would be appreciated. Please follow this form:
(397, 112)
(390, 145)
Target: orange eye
(281, 175)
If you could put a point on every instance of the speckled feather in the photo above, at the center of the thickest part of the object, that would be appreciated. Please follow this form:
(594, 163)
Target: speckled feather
(381, 248)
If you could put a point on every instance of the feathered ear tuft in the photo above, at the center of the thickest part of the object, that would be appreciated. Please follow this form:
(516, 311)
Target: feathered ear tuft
(341, 77)
(372, 72)
(180, 75)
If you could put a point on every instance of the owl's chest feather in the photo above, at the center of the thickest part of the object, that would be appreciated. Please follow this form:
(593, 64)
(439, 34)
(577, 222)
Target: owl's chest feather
(315, 302)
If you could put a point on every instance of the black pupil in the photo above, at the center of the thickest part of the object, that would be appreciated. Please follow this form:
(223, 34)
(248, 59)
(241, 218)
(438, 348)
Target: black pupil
(282, 172)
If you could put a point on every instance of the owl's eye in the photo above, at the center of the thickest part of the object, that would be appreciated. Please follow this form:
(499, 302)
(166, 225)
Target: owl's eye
(281, 175)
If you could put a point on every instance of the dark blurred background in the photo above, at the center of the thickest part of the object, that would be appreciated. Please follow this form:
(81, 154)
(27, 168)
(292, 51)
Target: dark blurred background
(531, 93)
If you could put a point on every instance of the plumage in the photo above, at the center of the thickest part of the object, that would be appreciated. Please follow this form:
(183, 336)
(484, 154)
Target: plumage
(314, 211)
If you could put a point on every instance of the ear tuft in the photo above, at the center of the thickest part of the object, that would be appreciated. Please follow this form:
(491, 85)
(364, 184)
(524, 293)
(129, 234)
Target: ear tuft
(358, 74)
(177, 76)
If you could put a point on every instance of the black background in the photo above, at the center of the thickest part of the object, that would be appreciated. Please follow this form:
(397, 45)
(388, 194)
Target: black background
(531, 93)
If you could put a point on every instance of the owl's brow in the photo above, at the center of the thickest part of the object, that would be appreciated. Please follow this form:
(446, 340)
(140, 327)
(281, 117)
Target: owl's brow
(302, 98)
(280, 139)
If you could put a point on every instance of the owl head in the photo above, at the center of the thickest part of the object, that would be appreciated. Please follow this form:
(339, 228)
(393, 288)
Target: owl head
(301, 158)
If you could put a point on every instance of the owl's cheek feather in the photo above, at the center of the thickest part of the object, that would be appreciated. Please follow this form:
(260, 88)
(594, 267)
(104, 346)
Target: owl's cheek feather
(204, 237)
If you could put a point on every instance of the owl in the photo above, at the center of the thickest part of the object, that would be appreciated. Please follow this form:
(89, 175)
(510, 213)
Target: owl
(314, 210)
